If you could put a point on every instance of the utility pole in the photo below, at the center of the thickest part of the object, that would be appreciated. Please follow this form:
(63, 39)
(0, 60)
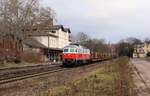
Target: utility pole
(48, 49)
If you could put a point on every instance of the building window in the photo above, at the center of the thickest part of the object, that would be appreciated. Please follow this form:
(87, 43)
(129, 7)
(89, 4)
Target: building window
(53, 31)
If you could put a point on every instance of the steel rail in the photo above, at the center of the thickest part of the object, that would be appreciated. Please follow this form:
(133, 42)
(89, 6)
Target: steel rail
(29, 76)
(13, 75)
(26, 66)
(20, 74)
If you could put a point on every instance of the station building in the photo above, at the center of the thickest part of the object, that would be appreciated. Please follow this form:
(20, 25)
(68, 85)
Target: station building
(52, 39)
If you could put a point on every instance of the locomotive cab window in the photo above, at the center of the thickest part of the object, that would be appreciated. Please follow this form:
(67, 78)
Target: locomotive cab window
(66, 50)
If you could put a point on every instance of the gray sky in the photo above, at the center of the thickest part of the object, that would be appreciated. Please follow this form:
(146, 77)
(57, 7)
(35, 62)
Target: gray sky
(109, 19)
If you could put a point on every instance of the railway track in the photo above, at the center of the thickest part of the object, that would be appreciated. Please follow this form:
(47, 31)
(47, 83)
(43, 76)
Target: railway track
(13, 74)
(9, 75)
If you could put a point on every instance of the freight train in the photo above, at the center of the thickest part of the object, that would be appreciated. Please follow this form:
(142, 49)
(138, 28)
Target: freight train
(75, 54)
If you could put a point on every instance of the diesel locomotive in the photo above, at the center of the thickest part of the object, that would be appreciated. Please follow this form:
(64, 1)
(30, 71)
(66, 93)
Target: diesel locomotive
(75, 54)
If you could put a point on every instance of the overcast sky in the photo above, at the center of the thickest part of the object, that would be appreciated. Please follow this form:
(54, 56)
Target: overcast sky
(109, 19)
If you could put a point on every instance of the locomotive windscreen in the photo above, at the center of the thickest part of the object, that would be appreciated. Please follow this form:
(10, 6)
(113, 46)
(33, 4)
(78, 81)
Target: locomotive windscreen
(66, 50)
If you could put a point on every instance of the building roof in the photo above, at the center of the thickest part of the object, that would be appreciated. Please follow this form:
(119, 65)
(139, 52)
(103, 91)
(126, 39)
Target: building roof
(139, 46)
(47, 30)
(33, 43)
(42, 34)
(36, 44)
(67, 30)
(57, 27)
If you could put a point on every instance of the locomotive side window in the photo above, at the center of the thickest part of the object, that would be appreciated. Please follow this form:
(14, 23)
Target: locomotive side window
(88, 51)
(77, 50)
(84, 51)
(72, 50)
(80, 51)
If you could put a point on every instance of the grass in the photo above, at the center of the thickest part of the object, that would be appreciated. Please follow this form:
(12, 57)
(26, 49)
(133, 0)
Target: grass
(112, 79)
(124, 84)
(95, 84)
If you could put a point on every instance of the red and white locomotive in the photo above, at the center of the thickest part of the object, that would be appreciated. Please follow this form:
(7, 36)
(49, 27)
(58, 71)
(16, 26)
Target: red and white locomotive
(75, 54)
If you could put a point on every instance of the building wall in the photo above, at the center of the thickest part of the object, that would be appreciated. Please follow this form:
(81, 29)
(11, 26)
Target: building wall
(135, 55)
(60, 40)
(63, 39)
(33, 55)
(146, 48)
(53, 41)
(27, 48)
(141, 51)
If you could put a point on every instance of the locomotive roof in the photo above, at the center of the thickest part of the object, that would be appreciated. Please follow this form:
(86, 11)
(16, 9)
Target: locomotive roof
(75, 46)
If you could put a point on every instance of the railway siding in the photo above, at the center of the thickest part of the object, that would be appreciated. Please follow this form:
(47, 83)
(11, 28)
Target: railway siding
(37, 86)
(10, 66)
(98, 79)
(13, 74)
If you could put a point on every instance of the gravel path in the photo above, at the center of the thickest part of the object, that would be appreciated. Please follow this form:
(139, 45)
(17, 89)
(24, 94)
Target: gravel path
(142, 76)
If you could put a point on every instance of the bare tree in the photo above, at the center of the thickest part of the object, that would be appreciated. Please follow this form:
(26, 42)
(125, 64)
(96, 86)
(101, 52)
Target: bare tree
(81, 37)
(132, 40)
(96, 45)
(18, 16)
(147, 40)
(126, 46)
